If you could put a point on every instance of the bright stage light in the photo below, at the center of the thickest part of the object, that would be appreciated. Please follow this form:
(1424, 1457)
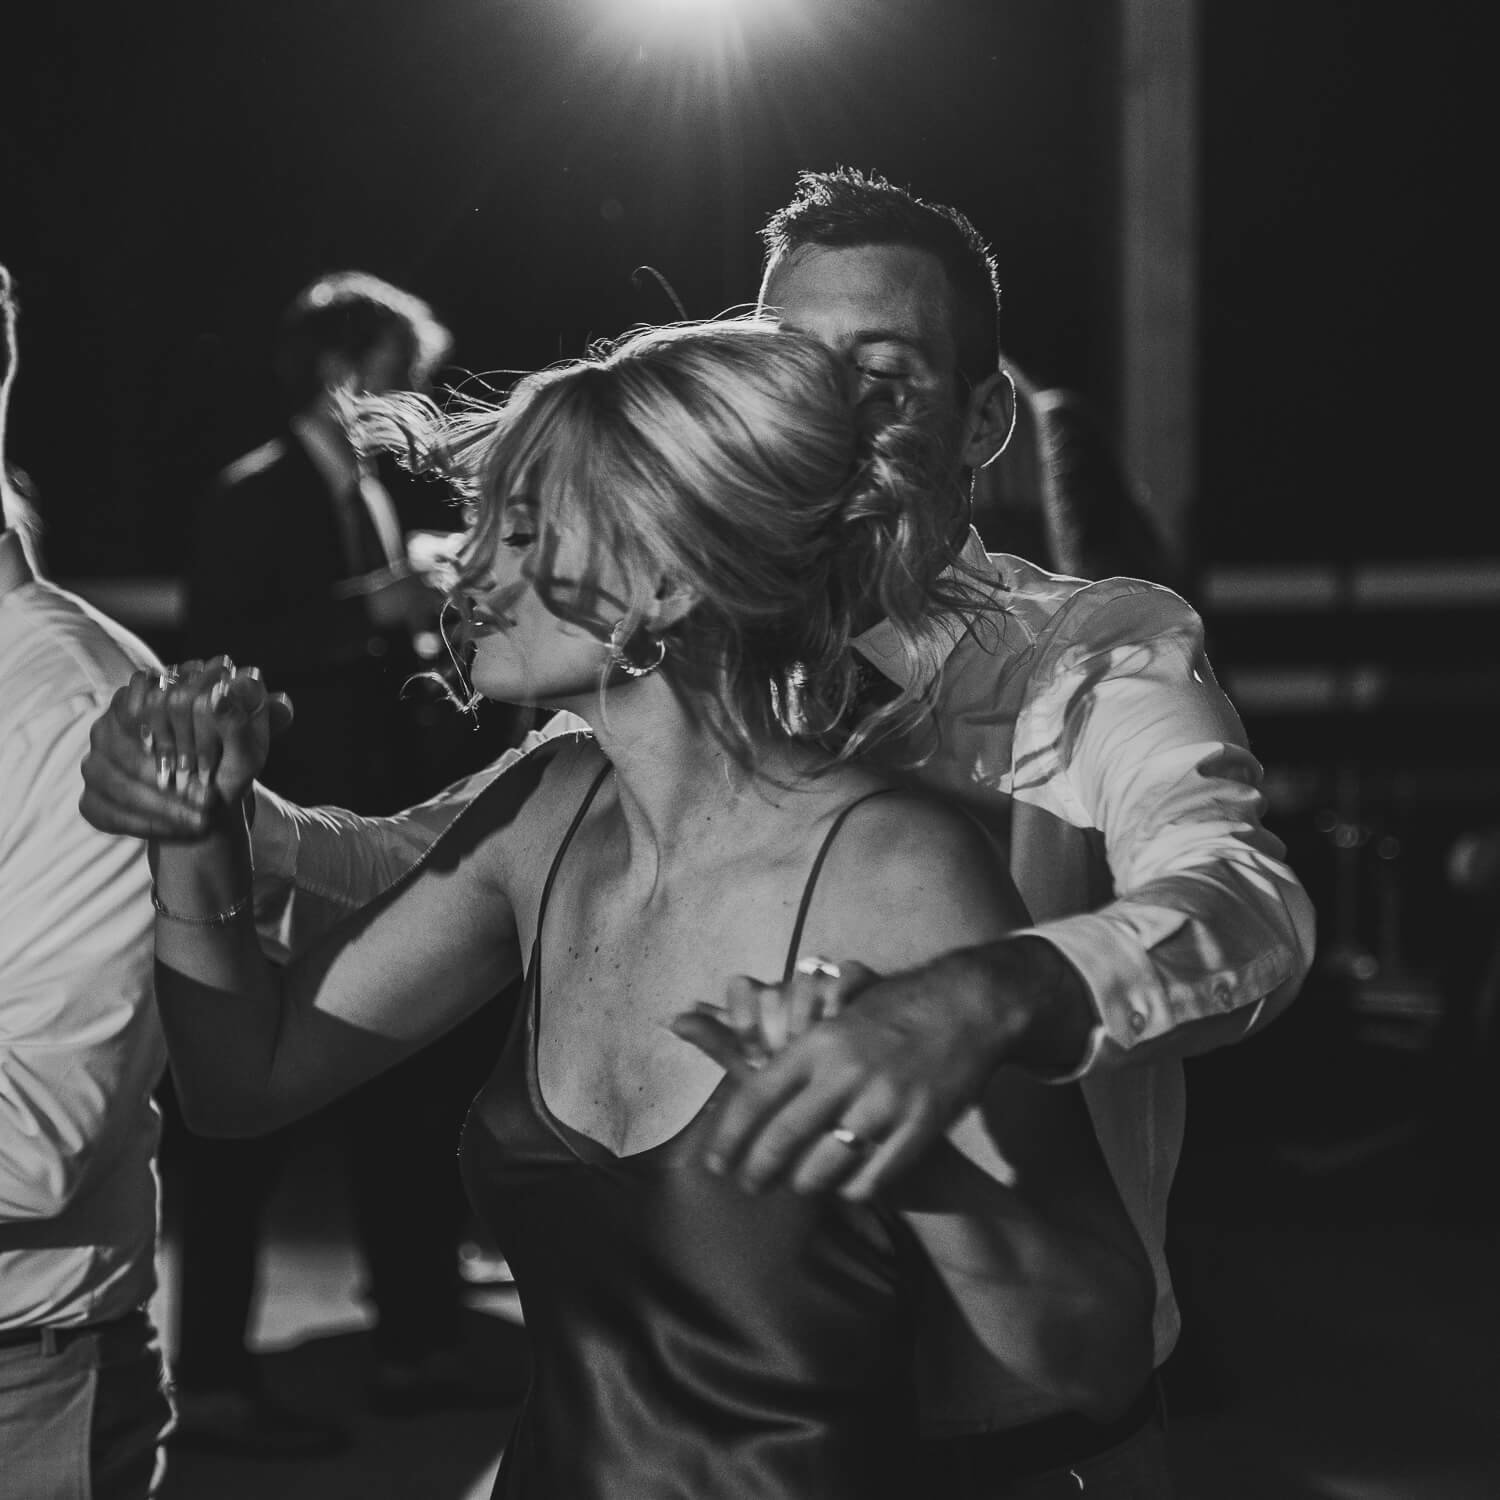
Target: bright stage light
(647, 7)
(666, 21)
(658, 13)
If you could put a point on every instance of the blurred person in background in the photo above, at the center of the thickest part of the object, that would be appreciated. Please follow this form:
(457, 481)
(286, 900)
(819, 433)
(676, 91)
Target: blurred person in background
(83, 1406)
(299, 565)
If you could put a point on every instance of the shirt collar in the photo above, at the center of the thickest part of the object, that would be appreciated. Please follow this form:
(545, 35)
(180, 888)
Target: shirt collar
(916, 663)
(14, 568)
(329, 454)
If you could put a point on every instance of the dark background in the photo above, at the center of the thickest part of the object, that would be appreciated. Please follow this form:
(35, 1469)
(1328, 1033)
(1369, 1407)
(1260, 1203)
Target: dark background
(173, 172)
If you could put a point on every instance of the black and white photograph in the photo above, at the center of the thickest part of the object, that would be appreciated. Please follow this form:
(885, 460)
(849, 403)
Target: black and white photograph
(747, 752)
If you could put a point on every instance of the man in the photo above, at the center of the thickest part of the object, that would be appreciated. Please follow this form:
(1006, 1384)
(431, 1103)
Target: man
(1087, 731)
(82, 1402)
(298, 561)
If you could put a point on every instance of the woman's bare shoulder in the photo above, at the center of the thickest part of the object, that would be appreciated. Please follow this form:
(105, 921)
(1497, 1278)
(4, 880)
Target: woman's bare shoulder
(910, 876)
(522, 815)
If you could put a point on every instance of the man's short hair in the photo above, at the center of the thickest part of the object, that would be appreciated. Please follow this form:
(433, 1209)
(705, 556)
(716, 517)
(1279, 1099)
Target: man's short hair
(846, 208)
(350, 313)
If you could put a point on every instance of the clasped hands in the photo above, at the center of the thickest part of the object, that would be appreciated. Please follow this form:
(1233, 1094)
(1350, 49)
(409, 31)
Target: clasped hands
(175, 746)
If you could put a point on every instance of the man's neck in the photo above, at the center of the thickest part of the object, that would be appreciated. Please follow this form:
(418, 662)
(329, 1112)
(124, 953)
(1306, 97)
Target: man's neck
(15, 566)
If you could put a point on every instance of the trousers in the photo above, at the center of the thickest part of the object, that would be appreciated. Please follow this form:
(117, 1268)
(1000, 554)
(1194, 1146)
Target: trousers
(84, 1414)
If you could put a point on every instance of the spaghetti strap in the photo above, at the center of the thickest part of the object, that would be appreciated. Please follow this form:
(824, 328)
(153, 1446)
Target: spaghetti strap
(812, 878)
(562, 848)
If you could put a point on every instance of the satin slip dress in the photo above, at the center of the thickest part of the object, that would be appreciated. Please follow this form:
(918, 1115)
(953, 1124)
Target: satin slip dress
(690, 1341)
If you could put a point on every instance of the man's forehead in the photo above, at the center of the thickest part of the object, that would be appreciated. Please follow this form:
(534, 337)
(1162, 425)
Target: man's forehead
(861, 292)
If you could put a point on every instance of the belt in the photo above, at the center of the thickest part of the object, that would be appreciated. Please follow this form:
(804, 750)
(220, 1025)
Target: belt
(49, 1338)
(1036, 1447)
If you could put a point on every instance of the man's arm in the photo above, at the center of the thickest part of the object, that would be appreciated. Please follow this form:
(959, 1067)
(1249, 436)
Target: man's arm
(1209, 934)
(1125, 733)
(313, 866)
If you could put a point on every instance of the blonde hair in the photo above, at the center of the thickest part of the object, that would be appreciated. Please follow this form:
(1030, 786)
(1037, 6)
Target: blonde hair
(730, 460)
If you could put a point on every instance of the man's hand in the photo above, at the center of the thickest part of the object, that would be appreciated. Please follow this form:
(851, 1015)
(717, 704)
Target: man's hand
(125, 790)
(854, 1100)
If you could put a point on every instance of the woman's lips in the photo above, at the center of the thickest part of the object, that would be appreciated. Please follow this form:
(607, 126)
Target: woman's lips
(480, 626)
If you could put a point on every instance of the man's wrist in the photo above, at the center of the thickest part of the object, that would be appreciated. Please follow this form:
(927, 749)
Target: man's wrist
(1044, 1014)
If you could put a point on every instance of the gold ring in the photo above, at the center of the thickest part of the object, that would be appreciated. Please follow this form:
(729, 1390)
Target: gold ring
(818, 968)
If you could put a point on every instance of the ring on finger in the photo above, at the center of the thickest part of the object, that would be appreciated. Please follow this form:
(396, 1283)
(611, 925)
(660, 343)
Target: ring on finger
(850, 1140)
(818, 968)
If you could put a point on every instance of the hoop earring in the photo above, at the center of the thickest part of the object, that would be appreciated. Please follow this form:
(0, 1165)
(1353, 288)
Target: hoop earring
(1015, 401)
(619, 658)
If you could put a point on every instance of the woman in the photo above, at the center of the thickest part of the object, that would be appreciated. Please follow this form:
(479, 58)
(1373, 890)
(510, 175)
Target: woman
(677, 541)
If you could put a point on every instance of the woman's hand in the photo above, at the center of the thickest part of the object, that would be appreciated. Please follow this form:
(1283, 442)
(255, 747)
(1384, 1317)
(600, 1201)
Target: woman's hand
(175, 745)
(758, 1021)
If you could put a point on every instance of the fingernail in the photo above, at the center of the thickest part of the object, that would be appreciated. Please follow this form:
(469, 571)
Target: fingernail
(218, 696)
(203, 775)
(147, 738)
(163, 772)
(184, 764)
(253, 673)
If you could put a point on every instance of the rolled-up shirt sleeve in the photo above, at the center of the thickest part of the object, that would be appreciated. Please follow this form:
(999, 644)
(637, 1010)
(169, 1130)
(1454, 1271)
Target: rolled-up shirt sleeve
(314, 866)
(1209, 933)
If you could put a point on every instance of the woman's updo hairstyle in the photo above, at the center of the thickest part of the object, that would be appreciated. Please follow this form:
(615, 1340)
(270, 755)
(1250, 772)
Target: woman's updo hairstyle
(729, 461)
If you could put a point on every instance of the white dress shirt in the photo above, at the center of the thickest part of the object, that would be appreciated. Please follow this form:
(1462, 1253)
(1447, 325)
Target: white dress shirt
(80, 1048)
(1082, 725)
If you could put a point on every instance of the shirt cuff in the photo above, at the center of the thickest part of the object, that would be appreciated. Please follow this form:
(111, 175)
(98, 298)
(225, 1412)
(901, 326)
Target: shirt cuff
(1123, 986)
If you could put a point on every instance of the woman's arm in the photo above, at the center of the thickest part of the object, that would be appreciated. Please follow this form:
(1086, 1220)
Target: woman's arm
(252, 1045)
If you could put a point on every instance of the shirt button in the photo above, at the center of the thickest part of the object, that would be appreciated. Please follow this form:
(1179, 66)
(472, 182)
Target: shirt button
(1222, 993)
(1137, 1020)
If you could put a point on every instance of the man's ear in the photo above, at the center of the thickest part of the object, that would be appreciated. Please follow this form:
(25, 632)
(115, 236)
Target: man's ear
(989, 420)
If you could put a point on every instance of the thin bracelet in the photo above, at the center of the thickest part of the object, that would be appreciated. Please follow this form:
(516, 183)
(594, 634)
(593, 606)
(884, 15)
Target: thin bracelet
(218, 919)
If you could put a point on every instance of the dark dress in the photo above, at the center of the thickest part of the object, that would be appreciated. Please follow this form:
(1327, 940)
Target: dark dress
(690, 1341)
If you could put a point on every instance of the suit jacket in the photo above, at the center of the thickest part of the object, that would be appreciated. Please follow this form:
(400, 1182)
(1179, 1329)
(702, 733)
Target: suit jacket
(269, 549)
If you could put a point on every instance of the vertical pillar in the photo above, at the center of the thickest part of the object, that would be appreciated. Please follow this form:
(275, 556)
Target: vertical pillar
(1159, 255)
